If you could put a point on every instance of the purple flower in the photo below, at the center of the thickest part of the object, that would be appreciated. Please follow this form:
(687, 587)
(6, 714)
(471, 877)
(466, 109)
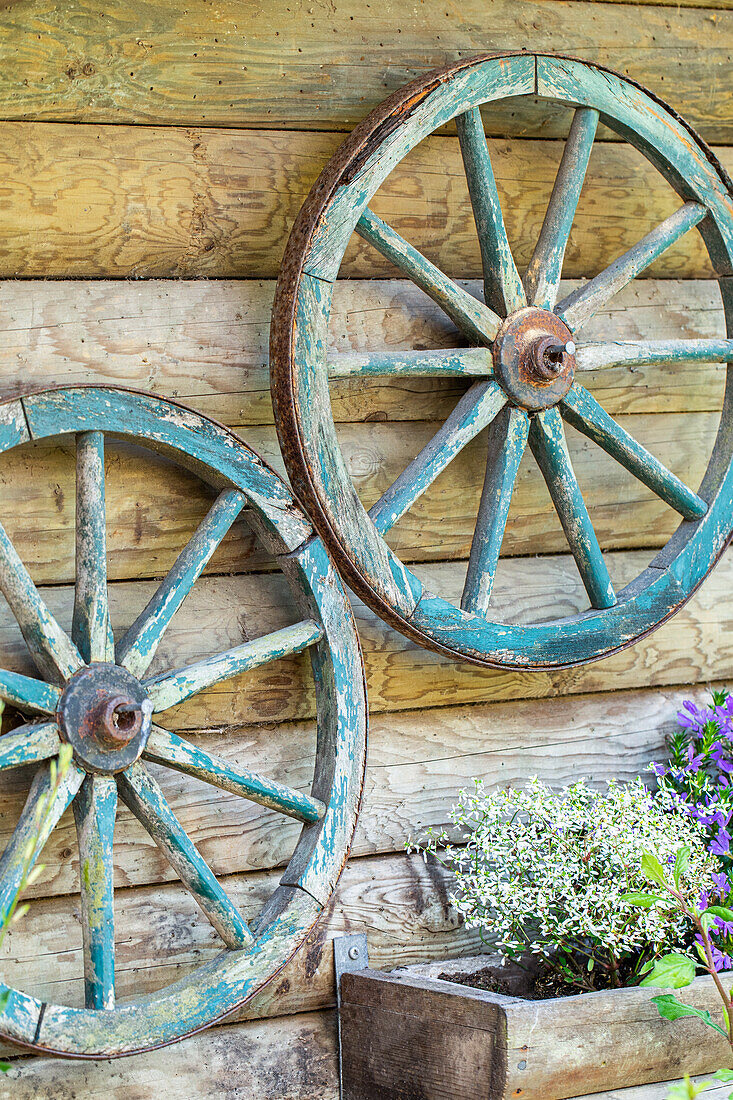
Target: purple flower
(720, 845)
(694, 762)
(720, 880)
(658, 769)
(721, 960)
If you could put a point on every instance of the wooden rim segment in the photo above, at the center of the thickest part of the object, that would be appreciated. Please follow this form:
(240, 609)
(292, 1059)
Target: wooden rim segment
(94, 692)
(524, 390)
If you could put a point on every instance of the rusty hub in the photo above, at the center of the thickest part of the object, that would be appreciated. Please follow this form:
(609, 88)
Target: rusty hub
(105, 715)
(534, 358)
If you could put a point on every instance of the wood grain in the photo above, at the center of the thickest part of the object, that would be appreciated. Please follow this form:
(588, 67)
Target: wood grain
(205, 343)
(289, 1059)
(153, 506)
(226, 611)
(94, 201)
(403, 1033)
(277, 65)
(417, 762)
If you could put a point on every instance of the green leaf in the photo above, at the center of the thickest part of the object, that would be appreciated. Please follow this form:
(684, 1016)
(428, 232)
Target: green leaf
(671, 972)
(719, 911)
(724, 1075)
(652, 869)
(687, 1089)
(641, 898)
(681, 864)
(4, 1067)
(671, 1009)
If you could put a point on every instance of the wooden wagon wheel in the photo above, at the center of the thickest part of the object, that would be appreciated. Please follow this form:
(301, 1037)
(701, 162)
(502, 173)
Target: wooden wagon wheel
(525, 365)
(95, 695)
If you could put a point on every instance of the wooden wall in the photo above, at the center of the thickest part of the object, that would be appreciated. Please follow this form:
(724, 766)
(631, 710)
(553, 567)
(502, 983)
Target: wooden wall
(154, 155)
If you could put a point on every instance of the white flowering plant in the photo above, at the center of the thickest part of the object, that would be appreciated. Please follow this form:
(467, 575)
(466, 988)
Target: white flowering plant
(544, 874)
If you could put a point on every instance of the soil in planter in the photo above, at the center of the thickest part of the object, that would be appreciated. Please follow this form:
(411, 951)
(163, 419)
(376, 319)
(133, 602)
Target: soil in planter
(541, 985)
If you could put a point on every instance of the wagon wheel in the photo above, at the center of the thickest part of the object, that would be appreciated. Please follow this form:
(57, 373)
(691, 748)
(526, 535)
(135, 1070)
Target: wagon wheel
(96, 695)
(525, 366)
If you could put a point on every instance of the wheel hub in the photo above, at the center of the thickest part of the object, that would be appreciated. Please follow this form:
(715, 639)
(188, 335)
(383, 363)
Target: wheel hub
(534, 358)
(105, 715)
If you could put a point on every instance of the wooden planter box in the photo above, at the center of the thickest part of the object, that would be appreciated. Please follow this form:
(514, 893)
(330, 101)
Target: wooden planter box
(414, 1036)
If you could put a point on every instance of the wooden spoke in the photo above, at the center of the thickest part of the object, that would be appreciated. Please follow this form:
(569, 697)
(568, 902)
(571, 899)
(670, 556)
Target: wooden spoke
(503, 290)
(644, 353)
(507, 440)
(547, 440)
(28, 694)
(171, 688)
(91, 629)
(139, 644)
(542, 277)
(477, 408)
(579, 306)
(479, 323)
(43, 808)
(53, 651)
(452, 363)
(29, 745)
(166, 748)
(143, 796)
(95, 809)
(584, 413)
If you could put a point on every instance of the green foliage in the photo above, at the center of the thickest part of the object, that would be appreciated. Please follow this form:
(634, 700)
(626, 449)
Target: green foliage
(672, 971)
(687, 1089)
(671, 1009)
(562, 876)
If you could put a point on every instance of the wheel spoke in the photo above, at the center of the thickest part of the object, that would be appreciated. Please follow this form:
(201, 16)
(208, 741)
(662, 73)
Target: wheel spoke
(451, 363)
(28, 694)
(507, 440)
(547, 440)
(646, 353)
(171, 688)
(139, 644)
(91, 629)
(478, 322)
(95, 809)
(29, 745)
(143, 796)
(53, 651)
(542, 277)
(166, 748)
(584, 413)
(503, 290)
(579, 306)
(44, 806)
(477, 408)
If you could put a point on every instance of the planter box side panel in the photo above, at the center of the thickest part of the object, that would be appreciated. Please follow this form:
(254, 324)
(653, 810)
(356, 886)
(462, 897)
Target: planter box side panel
(418, 1043)
(410, 1037)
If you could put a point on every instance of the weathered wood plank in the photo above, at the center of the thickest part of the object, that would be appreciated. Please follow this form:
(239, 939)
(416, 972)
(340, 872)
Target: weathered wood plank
(416, 767)
(206, 343)
(228, 65)
(417, 762)
(290, 1059)
(402, 1033)
(154, 506)
(695, 646)
(119, 201)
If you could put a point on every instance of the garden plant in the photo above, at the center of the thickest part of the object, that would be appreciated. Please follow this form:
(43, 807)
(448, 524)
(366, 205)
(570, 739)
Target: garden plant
(596, 889)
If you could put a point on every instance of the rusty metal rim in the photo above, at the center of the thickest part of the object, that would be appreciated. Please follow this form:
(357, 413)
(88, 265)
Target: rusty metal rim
(340, 168)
